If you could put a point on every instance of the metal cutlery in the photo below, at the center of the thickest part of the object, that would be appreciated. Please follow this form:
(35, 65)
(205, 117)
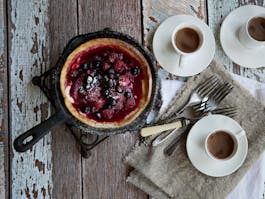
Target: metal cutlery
(227, 111)
(215, 98)
(202, 91)
(192, 113)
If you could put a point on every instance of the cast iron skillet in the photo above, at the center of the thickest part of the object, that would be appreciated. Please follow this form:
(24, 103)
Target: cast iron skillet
(62, 115)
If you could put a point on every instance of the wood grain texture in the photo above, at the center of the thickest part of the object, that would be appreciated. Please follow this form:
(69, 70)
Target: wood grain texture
(28, 49)
(156, 11)
(66, 158)
(104, 173)
(217, 11)
(3, 105)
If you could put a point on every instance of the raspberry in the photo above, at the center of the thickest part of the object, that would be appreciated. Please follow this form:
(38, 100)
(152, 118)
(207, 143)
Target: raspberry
(119, 66)
(108, 113)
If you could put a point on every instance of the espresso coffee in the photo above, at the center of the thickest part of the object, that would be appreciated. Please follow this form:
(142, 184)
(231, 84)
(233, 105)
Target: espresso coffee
(187, 40)
(256, 28)
(220, 144)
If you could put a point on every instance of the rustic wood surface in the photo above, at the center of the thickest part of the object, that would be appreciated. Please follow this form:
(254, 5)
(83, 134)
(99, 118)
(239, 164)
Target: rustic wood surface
(104, 174)
(32, 36)
(4, 163)
(28, 56)
(67, 167)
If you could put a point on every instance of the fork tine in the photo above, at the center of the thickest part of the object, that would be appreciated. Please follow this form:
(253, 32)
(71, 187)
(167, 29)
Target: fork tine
(224, 94)
(208, 86)
(209, 89)
(221, 92)
(203, 84)
(228, 111)
(206, 83)
(199, 105)
(214, 94)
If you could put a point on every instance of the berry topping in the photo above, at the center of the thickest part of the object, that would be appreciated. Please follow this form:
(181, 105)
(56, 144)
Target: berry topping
(99, 104)
(108, 113)
(73, 74)
(85, 109)
(119, 89)
(119, 66)
(111, 71)
(112, 57)
(135, 70)
(105, 84)
(82, 90)
(130, 103)
(124, 81)
(106, 92)
(128, 94)
(98, 115)
(105, 66)
(84, 66)
(112, 83)
(96, 64)
(112, 102)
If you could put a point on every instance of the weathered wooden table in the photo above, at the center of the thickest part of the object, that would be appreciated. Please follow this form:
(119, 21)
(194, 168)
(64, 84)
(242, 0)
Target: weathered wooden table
(32, 36)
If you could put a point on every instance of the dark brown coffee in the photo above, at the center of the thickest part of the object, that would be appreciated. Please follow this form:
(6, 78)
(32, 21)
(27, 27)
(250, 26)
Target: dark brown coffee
(256, 28)
(220, 144)
(187, 40)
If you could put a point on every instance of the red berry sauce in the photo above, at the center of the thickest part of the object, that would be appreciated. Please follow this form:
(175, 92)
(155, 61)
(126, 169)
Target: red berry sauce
(105, 83)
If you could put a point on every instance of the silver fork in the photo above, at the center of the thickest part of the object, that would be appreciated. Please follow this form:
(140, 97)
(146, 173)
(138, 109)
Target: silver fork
(193, 112)
(215, 98)
(202, 91)
(227, 111)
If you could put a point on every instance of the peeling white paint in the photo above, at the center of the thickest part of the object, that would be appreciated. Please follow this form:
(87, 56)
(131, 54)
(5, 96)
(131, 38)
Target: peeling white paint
(217, 11)
(26, 177)
(2, 155)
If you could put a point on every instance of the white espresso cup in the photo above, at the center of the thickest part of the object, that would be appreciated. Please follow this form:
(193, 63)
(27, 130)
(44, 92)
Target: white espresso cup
(184, 55)
(235, 137)
(246, 39)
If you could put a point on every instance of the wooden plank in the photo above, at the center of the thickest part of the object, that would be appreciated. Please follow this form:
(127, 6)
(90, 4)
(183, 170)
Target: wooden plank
(3, 105)
(28, 50)
(104, 173)
(217, 11)
(156, 11)
(65, 155)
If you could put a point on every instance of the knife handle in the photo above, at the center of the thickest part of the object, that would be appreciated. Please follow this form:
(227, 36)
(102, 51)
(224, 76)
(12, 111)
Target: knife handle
(147, 131)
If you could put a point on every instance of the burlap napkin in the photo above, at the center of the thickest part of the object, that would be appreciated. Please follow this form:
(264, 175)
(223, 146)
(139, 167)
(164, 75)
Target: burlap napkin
(175, 177)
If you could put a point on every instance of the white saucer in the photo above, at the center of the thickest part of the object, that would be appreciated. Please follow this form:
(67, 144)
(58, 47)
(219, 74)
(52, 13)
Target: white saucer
(229, 38)
(167, 57)
(197, 153)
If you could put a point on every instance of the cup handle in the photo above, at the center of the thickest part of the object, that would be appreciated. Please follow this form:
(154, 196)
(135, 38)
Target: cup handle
(181, 60)
(240, 133)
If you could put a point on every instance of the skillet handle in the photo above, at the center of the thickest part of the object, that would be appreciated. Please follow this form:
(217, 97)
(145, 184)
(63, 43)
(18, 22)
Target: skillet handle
(37, 132)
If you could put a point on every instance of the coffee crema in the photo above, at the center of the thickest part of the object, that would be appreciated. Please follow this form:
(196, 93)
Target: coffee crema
(220, 144)
(256, 28)
(187, 40)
